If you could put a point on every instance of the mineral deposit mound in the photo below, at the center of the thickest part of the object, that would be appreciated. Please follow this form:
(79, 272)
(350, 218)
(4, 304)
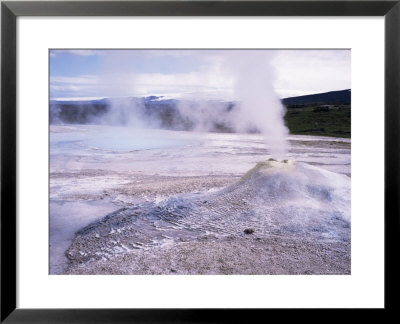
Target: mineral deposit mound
(299, 216)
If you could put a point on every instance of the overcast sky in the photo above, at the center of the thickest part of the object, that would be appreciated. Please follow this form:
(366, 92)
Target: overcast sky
(77, 74)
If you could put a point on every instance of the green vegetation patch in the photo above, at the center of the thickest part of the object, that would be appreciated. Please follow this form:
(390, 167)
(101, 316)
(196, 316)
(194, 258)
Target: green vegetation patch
(321, 120)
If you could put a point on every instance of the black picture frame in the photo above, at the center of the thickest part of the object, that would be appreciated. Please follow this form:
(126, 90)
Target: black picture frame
(10, 10)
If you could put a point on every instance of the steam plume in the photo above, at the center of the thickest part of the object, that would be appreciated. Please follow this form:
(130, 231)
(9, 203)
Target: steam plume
(259, 105)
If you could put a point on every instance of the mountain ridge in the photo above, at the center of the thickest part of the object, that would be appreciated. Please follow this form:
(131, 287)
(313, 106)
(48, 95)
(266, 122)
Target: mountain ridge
(328, 98)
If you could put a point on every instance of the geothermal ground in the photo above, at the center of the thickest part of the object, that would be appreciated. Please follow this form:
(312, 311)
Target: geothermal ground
(196, 203)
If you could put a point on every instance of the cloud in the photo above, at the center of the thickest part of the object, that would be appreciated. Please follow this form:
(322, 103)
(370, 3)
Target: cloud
(209, 80)
(85, 79)
(302, 72)
(160, 72)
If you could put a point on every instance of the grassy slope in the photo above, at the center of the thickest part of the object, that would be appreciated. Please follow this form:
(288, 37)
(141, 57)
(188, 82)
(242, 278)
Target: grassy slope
(305, 121)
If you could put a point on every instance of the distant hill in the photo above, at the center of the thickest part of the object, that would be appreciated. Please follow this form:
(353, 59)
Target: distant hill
(326, 114)
(322, 114)
(342, 97)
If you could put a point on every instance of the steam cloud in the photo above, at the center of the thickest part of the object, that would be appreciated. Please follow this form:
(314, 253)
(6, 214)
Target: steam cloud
(259, 105)
(255, 105)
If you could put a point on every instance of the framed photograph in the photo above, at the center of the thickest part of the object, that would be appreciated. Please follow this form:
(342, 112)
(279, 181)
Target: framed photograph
(180, 160)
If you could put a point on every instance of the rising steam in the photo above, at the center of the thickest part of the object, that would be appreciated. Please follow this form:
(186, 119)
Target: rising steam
(259, 105)
(252, 105)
